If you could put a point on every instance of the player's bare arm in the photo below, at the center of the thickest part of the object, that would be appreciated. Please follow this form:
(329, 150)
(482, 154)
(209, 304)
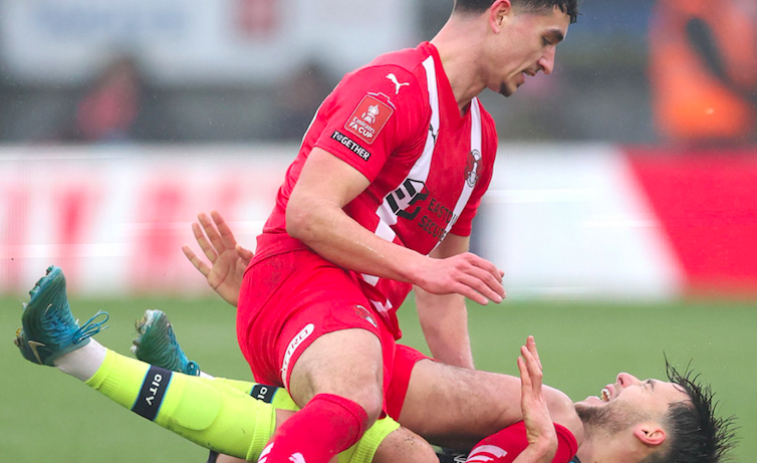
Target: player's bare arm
(444, 319)
(228, 260)
(314, 215)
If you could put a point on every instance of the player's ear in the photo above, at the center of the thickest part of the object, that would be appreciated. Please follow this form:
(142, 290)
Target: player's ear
(499, 13)
(650, 433)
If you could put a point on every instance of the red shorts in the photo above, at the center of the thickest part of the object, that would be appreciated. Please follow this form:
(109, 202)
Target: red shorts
(405, 359)
(289, 300)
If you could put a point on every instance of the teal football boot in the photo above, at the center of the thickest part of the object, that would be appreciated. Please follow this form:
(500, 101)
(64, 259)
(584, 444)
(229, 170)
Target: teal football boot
(157, 344)
(49, 330)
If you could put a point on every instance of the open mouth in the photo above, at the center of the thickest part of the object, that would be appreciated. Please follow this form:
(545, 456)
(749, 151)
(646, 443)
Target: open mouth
(607, 393)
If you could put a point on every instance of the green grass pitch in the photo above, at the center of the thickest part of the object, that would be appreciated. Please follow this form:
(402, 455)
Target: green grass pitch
(46, 416)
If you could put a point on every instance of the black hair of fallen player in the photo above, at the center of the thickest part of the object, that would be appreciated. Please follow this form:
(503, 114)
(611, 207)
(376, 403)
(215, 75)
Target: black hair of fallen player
(695, 433)
(569, 7)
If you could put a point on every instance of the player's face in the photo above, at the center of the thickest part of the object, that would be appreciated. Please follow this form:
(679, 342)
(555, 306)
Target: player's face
(649, 397)
(525, 46)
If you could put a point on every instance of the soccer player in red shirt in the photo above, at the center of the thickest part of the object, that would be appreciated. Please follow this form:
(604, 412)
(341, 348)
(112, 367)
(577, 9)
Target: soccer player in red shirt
(380, 199)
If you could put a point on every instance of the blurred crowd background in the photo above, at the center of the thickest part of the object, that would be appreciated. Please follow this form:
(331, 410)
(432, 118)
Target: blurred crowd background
(125, 119)
(102, 71)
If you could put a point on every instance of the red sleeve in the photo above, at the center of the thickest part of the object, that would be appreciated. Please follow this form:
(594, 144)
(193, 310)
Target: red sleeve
(489, 147)
(507, 444)
(373, 113)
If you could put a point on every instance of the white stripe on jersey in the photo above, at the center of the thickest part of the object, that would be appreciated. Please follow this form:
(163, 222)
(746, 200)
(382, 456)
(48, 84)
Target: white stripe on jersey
(420, 170)
(422, 166)
(475, 146)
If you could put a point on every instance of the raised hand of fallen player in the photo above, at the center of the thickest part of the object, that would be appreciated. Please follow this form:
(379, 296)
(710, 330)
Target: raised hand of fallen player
(466, 274)
(540, 430)
(227, 258)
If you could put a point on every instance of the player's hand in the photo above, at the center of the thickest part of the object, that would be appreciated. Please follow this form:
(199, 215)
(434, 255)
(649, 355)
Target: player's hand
(540, 430)
(466, 274)
(228, 259)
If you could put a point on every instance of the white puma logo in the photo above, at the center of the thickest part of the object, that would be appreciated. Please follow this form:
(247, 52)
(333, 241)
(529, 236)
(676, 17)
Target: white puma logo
(396, 82)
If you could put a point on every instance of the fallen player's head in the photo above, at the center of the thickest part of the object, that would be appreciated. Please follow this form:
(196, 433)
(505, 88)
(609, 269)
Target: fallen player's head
(655, 421)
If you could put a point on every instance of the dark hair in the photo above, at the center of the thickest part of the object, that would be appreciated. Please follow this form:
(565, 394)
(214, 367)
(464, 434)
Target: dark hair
(695, 434)
(569, 7)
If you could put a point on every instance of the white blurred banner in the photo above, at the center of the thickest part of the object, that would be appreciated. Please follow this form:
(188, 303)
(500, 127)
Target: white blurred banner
(197, 41)
(561, 222)
(115, 219)
(572, 221)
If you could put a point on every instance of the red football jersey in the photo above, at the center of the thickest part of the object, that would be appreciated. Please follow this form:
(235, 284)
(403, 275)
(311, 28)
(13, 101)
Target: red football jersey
(397, 122)
(506, 445)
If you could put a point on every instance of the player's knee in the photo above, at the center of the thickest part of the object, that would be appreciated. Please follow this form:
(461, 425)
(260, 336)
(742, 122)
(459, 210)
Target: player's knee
(372, 403)
(422, 453)
(404, 445)
(367, 393)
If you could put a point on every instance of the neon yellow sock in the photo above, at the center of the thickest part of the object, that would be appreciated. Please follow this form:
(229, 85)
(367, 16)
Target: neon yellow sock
(242, 386)
(276, 396)
(218, 414)
(206, 411)
(362, 452)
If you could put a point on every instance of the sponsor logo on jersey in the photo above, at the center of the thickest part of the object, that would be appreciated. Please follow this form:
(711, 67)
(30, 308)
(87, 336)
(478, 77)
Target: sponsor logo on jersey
(438, 218)
(297, 458)
(410, 192)
(485, 454)
(293, 345)
(351, 145)
(473, 168)
(407, 202)
(369, 118)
